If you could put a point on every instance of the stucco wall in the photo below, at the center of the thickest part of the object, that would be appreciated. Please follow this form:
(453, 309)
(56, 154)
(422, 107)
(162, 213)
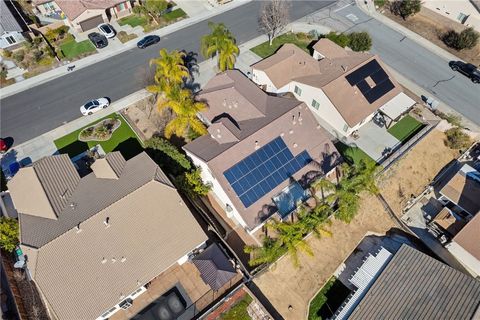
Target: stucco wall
(208, 177)
(465, 258)
(18, 37)
(452, 10)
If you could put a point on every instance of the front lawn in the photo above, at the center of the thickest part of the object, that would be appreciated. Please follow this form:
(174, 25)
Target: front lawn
(239, 310)
(123, 139)
(328, 300)
(133, 21)
(72, 49)
(301, 40)
(352, 155)
(405, 128)
(175, 14)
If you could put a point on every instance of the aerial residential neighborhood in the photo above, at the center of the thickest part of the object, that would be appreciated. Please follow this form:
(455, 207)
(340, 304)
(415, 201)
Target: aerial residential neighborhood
(239, 159)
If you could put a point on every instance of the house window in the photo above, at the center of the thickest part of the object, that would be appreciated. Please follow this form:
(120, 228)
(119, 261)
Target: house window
(298, 91)
(345, 128)
(10, 40)
(462, 17)
(315, 104)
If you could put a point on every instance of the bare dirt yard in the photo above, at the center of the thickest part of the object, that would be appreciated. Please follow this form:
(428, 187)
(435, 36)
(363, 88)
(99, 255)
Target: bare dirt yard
(285, 285)
(431, 26)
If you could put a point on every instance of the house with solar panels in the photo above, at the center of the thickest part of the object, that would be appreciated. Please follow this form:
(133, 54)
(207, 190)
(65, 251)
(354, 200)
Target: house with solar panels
(344, 89)
(262, 151)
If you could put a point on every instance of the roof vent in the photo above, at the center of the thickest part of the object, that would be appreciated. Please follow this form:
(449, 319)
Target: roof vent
(77, 228)
(107, 222)
(235, 104)
(114, 260)
(282, 134)
(104, 260)
(291, 131)
(224, 103)
(256, 145)
(123, 259)
(295, 145)
(73, 205)
(344, 68)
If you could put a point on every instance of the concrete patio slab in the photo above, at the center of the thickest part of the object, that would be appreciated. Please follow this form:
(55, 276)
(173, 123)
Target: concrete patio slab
(374, 140)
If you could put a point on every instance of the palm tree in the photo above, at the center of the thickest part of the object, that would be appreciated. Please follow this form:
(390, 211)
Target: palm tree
(269, 252)
(170, 72)
(185, 109)
(315, 220)
(290, 235)
(221, 43)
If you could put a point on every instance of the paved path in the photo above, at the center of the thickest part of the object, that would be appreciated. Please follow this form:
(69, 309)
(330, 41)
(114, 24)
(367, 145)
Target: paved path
(33, 112)
(420, 62)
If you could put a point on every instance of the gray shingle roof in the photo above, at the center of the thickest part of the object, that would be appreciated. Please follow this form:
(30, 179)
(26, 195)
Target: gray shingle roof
(416, 286)
(8, 22)
(89, 196)
(214, 267)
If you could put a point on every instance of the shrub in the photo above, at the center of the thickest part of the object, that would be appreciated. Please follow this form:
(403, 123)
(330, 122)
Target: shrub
(302, 36)
(19, 55)
(339, 38)
(3, 72)
(86, 132)
(37, 55)
(405, 8)
(457, 139)
(37, 40)
(125, 37)
(6, 53)
(466, 39)
(170, 150)
(360, 41)
(8, 233)
(191, 183)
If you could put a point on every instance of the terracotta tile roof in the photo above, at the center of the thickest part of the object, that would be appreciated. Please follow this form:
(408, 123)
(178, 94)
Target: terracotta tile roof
(264, 118)
(469, 237)
(74, 8)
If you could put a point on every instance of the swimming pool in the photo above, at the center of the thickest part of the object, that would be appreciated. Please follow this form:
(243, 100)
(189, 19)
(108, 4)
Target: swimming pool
(286, 201)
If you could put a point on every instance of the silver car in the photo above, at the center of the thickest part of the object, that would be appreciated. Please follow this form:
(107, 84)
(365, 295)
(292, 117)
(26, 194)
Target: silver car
(94, 105)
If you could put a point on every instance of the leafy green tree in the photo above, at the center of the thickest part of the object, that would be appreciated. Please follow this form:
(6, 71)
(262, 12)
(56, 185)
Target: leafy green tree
(360, 41)
(170, 72)
(341, 39)
(192, 184)
(170, 150)
(269, 252)
(457, 139)
(152, 9)
(406, 8)
(185, 109)
(220, 43)
(8, 233)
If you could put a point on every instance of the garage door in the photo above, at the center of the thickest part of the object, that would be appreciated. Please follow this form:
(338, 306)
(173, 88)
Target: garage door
(91, 23)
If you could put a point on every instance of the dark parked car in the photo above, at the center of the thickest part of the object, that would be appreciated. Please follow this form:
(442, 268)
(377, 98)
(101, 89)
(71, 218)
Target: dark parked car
(99, 40)
(467, 69)
(148, 41)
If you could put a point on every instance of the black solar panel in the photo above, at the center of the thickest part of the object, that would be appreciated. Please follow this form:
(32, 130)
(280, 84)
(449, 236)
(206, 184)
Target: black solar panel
(373, 70)
(263, 170)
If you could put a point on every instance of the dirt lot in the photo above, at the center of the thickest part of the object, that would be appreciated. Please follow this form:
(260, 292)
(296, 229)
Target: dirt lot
(431, 25)
(284, 285)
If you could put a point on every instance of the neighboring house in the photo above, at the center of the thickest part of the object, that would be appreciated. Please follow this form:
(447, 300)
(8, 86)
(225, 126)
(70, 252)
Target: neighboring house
(457, 223)
(12, 26)
(261, 152)
(84, 15)
(466, 12)
(343, 89)
(410, 285)
(95, 242)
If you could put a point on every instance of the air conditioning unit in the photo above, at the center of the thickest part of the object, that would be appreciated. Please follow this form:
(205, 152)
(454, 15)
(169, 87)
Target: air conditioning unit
(125, 304)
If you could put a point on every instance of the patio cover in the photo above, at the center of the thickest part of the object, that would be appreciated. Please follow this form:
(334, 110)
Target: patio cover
(397, 106)
(214, 267)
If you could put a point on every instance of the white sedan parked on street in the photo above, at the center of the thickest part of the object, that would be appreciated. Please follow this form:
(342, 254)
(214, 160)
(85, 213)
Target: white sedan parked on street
(94, 105)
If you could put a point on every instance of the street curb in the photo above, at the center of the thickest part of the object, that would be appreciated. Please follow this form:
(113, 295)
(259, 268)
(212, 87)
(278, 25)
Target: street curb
(90, 60)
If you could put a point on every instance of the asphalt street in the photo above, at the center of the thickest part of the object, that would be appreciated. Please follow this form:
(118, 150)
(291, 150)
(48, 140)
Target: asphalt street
(416, 63)
(35, 111)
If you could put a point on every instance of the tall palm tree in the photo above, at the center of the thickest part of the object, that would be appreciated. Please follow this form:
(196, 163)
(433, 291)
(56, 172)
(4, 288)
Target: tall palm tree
(170, 72)
(315, 220)
(221, 43)
(185, 109)
(269, 252)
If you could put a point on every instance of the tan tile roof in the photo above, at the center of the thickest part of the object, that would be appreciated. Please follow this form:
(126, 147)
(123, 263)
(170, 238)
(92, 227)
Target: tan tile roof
(74, 8)
(150, 228)
(89, 196)
(469, 237)
(327, 74)
(464, 191)
(276, 121)
(329, 49)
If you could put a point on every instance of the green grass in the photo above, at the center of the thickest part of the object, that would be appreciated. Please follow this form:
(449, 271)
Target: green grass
(405, 128)
(175, 14)
(133, 21)
(72, 49)
(353, 155)
(123, 139)
(239, 310)
(333, 292)
(265, 49)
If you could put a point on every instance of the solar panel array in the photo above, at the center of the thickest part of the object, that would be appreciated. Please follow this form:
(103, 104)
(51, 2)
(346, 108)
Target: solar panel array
(373, 70)
(263, 170)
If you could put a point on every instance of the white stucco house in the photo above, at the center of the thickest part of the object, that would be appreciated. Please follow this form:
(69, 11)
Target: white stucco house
(11, 27)
(466, 12)
(343, 89)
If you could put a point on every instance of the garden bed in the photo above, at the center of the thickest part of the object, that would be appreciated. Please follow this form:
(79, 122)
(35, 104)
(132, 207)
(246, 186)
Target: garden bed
(123, 140)
(301, 40)
(125, 37)
(101, 131)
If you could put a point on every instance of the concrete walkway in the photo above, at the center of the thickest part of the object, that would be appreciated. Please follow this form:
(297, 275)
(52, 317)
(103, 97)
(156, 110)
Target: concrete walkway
(102, 55)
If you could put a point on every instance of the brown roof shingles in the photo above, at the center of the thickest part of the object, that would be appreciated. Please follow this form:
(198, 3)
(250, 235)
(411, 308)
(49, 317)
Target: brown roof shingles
(277, 121)
(469, 237)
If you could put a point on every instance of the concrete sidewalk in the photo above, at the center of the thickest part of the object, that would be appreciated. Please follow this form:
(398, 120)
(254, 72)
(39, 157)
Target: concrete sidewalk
(87, 61)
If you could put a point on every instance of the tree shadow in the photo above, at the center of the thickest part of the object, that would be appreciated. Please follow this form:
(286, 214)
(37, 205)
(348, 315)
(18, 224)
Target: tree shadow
(129, 148)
